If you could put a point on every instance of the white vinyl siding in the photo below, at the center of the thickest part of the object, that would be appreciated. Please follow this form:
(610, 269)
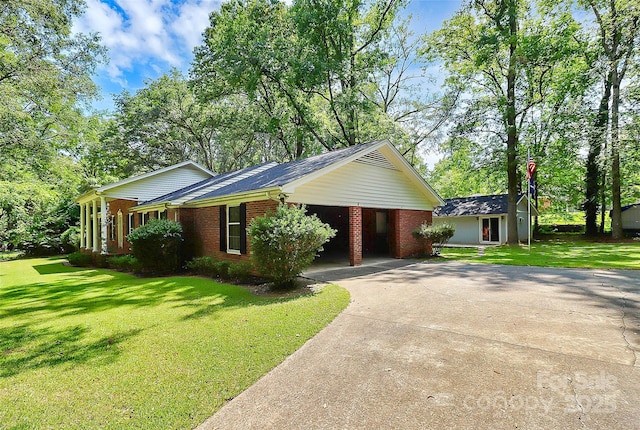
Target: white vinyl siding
(361, 184)
(149, 188)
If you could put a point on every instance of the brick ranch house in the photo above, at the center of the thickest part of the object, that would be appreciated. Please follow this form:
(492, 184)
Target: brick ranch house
(369, 193)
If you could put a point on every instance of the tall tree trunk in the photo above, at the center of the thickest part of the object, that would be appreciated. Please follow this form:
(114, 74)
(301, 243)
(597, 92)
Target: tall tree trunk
(603, 199)
(593, 176)
(616, 212)
(512, 135)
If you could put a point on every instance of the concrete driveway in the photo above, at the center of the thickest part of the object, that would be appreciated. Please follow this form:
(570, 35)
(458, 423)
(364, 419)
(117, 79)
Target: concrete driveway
(465, 346)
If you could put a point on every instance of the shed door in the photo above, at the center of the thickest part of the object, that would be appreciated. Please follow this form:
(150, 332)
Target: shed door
(491, 229)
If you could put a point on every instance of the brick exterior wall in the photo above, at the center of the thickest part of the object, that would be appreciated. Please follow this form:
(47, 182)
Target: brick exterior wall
(355, 235)
(114, 207)
(402, 223)
(202, 230)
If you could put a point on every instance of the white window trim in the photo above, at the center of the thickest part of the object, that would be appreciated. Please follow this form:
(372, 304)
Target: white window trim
(120, 232)
(229, 223)
(112, 232)
(131, 221)
(480, 229)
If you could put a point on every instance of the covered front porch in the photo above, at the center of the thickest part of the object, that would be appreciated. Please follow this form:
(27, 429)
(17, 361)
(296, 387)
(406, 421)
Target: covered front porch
(93, 223)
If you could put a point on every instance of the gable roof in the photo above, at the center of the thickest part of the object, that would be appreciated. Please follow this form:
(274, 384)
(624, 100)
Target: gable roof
(283, 174)
(154, 173)
(496, 204)
(273, 177)
(209, 185)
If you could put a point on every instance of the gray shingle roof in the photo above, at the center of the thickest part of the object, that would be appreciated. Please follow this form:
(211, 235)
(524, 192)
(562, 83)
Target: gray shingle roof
(283, 174)
(475, 205)
(263, 176)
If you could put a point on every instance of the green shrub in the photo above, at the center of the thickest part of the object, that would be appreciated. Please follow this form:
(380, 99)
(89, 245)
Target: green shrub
(156, 245)
(99, 260)
(79, 259)
(240, 271)
(201, 265)
(124, 263)
(207, 266)
(436, 235)
(70, 239)
(285, 243)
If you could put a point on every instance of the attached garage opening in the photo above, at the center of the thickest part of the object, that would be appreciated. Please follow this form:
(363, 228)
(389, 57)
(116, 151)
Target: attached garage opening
(338, 218)
(375, 232)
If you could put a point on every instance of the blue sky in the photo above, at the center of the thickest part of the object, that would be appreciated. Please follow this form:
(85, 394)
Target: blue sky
(146, 38)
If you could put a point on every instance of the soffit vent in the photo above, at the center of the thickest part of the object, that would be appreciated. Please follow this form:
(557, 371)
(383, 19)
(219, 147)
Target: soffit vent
(375, 158)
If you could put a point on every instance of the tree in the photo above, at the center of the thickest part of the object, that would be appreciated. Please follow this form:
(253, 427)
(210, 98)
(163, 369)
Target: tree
(45, 79)
(618, 23)
(504, 54)
(164, 123)
(45, 70)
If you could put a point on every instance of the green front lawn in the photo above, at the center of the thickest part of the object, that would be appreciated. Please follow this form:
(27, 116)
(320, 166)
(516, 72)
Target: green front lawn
(557, 253)
(86, 348)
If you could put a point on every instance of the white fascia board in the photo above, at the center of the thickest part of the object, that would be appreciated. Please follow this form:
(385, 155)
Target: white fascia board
(248, 196)
(291, 186)
(148, 208)
(153, 173)
(534, 211)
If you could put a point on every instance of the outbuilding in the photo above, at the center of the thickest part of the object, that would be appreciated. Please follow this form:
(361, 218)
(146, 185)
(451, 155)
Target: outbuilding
(482, 220)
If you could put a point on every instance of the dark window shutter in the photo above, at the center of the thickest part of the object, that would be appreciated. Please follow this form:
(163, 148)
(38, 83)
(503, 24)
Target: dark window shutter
(223, 228)
(243, 228)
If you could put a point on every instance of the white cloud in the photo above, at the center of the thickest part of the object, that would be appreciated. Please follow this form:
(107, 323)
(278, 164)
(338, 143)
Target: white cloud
(141, 33)
(193, 19)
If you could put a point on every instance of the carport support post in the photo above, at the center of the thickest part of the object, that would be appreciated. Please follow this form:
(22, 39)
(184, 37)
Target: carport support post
(355, 235)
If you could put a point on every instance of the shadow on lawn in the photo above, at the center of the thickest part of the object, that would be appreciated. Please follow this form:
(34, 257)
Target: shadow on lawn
(25, 348)
(25, 344)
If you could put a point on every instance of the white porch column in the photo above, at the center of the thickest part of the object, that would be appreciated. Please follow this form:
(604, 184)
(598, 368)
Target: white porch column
(94, 225)
(81, 226)
(87, 226)
(103, 224)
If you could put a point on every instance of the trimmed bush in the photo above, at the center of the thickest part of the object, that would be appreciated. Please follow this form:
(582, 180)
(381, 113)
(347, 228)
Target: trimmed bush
(285, 243)
(124, 263)
(79, 259)
(156, 245)
(240, 271)
(207, 266)
(437, 235)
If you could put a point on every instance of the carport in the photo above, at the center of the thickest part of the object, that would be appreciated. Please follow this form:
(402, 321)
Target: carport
(375, 231)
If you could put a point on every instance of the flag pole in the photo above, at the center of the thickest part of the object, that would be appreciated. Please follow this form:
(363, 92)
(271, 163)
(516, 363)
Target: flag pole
(528, 202)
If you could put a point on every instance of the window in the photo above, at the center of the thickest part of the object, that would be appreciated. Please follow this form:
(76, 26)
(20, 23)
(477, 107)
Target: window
(490, 230)
(163, 214)
(233, 229)
(120, 230)
(131, 224)
(112, 233)
(144, 218)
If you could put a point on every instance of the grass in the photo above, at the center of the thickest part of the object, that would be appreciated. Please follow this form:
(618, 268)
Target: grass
(10, 255)
(556, 253)
(87, 348)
